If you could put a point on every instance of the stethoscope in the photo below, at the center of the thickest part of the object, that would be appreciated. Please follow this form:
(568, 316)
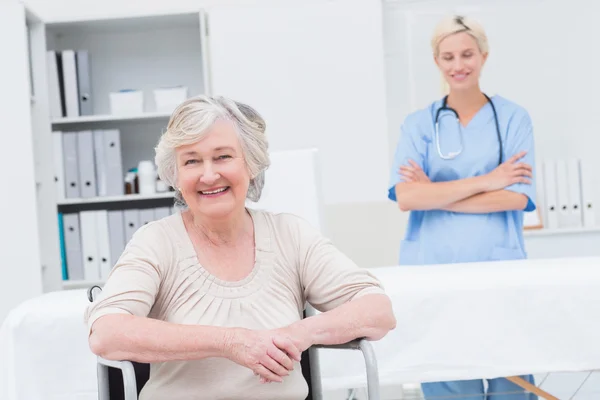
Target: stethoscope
(454, 154)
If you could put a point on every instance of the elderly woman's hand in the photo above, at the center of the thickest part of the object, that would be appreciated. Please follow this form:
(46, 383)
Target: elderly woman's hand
(268, 353)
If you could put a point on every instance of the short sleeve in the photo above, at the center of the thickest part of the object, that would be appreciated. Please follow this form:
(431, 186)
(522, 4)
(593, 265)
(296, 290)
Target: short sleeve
(411, 146)
(520, 138)
(329, 278)
(134, 281)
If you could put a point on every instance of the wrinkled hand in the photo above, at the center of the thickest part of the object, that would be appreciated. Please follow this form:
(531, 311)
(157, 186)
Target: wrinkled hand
(297, 335)
(509, 173)
(268, 353)
(413, 173)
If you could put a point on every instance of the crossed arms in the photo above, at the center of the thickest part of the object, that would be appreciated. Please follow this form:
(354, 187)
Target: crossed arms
(480, 194)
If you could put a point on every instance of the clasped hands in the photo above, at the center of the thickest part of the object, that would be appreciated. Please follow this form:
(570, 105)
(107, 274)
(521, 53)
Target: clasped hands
(508, 173)
(270, 354)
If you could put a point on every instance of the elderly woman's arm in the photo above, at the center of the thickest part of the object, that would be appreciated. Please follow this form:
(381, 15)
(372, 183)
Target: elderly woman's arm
(352, 301)
(370, 317)
(125, 337)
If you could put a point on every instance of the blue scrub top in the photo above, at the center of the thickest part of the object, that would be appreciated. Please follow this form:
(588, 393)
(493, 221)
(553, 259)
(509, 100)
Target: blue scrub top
(440, 237)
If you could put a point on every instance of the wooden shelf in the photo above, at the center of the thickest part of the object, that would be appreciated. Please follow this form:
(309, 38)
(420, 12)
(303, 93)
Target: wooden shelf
(109, 118)
(561, 231)
(112, 199)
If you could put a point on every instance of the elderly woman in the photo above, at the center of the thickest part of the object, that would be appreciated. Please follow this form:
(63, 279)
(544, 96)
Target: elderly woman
(213, 297)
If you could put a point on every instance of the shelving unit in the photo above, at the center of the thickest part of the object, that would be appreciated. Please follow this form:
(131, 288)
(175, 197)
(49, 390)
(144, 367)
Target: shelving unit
(138, 52)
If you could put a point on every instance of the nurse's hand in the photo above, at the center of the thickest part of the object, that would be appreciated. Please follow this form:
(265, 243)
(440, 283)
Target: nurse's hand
(508, 173)
(413, 173)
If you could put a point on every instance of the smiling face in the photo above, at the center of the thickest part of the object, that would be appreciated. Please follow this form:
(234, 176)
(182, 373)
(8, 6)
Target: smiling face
(212, 173)
(460, 60)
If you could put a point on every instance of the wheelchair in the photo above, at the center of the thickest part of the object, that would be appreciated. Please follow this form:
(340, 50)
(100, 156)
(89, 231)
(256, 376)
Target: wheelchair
(124, 380)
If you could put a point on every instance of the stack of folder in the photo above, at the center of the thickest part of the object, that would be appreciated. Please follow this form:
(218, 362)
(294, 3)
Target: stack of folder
(92, 241)
(88, 164)
(69, 83)
(569, 194)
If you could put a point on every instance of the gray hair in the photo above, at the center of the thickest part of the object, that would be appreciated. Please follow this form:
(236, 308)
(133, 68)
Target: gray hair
(193, 118)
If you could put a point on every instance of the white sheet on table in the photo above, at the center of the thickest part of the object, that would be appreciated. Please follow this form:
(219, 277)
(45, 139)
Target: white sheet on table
(482, 320)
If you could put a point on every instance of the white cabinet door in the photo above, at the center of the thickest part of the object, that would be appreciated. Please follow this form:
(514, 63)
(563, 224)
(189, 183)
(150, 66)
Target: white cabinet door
(20, 269)
(316, 73)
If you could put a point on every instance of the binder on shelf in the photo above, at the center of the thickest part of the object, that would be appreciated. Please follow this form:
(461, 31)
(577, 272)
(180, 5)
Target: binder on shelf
(103, 232)
(84, 83)
(100, 164)
(114, 165)
(146, 216)
(116, 229)
(54, 85)
(69, 67)
(87, 169)
(540, 193)
(131, 220)
(587, 193)
(71, 162)
(575, 216)
(63, 251)
(73, 249)
(89, 245)
(551, 193)
(58, 165)
(61, 83)
(161, 212)
(562, 194)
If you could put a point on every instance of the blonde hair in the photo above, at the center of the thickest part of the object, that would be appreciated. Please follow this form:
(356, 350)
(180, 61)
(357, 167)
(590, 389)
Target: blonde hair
(454, 24)
(194, 117)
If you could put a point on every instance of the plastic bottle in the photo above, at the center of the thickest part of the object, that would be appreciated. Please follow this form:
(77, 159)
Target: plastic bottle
(146, 177)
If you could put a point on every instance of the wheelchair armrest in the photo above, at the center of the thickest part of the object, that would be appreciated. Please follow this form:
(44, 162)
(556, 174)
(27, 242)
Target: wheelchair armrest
(370, 362)
(129, 380)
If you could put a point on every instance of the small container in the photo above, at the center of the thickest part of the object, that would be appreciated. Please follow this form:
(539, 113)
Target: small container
(130, 183)
(146, 177)
(161, 187)
(127, 102)
(167, 99)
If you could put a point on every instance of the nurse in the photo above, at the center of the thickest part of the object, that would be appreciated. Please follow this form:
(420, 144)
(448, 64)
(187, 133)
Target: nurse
(466, 183)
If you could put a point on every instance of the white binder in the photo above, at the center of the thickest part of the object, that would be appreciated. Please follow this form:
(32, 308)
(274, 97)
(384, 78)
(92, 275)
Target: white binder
(89, 244)
(161, 212)
(115, 185)
(54, 87)
(71, 164)
(540, 194)
(70, 83)
(58, 165)
(587, 193)
(100, 164)
(551, 199)
(131, 220)
(87, 169)
(73, 251)
(84, 84)
(116, 229)
(562, 194)
(146, 216)
(575, 217)
(102, 232)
